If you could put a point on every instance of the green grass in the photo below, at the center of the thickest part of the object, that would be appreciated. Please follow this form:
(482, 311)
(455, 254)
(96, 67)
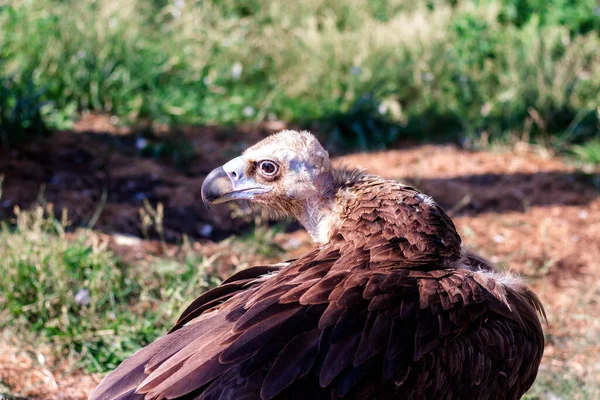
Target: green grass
(370, 72)
(563, 384)
(588, 152)
(77, 297)
(70, 292)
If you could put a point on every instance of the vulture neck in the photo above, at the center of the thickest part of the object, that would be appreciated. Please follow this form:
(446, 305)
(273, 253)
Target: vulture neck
(318, 218)
(317, 213)
(321, 213)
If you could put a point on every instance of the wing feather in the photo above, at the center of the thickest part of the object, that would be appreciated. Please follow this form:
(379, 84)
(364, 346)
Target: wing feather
(303, 350)
(257, 335)
(386, 311)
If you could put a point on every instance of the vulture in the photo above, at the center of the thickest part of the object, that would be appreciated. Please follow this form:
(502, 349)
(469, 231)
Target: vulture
(388, 305)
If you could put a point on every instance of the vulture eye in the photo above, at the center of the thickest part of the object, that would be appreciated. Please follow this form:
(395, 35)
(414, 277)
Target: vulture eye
(268, 168)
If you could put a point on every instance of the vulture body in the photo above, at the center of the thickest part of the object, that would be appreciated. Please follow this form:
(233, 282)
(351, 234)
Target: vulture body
(387, 306)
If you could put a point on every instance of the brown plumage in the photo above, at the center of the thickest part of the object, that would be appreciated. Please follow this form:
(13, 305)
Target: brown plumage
(387, 306)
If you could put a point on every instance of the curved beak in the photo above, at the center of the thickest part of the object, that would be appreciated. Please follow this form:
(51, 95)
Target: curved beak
(216, 186)
(229, 183)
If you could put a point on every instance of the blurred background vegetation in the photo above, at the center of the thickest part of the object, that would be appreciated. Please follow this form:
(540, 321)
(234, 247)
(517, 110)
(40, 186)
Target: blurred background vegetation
(369, 72)
(363, 74)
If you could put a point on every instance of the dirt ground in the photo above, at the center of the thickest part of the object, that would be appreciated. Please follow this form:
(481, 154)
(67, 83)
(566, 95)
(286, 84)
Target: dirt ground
(536, 215)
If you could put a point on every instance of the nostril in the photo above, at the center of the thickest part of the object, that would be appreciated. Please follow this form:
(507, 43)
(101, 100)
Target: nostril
(235, 169)
(234, 176)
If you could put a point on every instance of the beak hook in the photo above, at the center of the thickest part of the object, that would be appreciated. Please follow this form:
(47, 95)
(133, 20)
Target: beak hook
(216, 185)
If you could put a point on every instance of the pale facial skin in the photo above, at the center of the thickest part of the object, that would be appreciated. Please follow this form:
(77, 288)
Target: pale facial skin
(289, 173)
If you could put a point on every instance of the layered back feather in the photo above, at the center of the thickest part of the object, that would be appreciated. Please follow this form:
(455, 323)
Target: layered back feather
(389, 308)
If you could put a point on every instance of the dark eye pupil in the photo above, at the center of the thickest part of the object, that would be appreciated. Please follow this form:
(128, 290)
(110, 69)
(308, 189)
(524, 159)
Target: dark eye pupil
(267, 167)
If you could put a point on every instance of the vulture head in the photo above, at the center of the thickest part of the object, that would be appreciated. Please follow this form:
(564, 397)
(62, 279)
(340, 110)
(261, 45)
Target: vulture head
(286, 175)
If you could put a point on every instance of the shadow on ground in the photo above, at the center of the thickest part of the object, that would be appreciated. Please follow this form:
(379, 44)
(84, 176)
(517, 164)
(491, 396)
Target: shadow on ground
(499, 193)
(110, 174)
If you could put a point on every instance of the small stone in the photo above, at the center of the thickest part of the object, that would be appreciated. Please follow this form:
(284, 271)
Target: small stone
(355, 71)
(55, 179)
(553, 396)
(83, 297)
(248, 111)
(126, 240)
(292, 243)
(498, 238)
(205, 230)
(141, 143)
(236, 70)
(140, 196)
